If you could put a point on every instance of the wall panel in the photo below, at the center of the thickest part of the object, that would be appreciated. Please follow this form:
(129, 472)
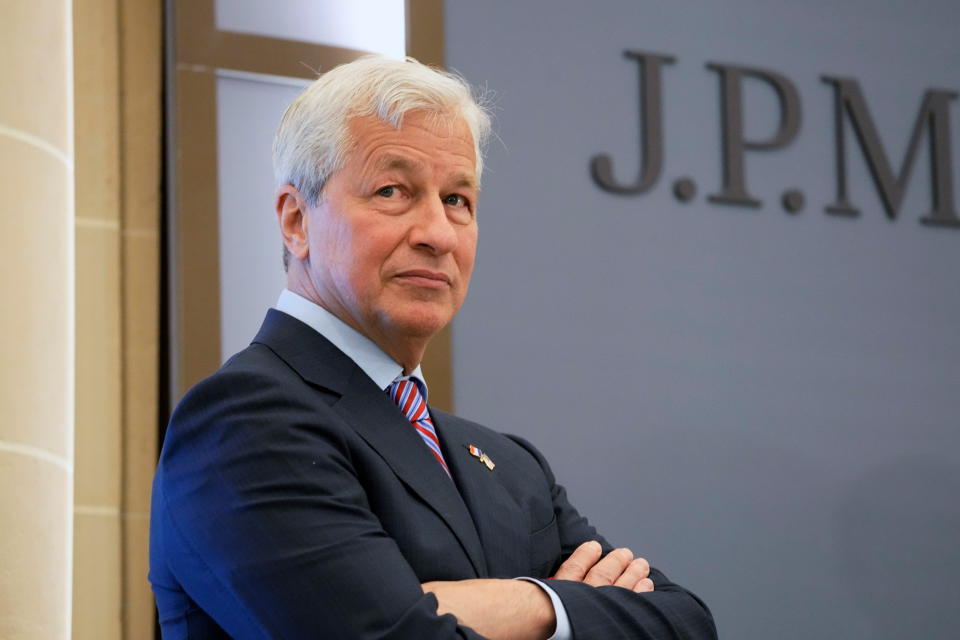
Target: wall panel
(762, 402)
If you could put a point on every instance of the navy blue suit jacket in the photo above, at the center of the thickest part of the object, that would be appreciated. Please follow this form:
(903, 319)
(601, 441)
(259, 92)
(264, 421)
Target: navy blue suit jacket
(293, 500)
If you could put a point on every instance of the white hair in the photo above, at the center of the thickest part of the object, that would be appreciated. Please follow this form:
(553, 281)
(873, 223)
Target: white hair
(313, 138)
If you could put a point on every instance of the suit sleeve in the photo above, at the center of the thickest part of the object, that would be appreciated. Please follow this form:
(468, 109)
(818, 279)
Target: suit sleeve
(611, 613)
(261, 521)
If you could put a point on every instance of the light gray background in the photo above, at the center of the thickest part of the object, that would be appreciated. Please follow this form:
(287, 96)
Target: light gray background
(764, 405)
(249, 107)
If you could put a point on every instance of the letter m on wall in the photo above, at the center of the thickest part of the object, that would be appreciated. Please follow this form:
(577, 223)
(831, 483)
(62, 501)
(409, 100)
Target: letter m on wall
(934, 116)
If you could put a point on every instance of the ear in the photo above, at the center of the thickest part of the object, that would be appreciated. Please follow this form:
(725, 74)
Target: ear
(292, 216)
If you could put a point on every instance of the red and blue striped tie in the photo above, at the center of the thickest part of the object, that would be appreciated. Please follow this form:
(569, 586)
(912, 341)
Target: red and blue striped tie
(406, 393)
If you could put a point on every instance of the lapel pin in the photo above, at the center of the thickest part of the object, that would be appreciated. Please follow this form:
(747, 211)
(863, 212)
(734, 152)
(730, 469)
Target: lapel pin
(481, 456)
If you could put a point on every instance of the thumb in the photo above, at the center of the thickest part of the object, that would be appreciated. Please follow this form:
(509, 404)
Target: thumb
(580, 562)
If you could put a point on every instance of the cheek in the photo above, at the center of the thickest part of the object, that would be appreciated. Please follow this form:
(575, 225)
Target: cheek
(341, 245)
(370, 251)
(328, 239)
(466, 253)
(337, 258)
(381, 242)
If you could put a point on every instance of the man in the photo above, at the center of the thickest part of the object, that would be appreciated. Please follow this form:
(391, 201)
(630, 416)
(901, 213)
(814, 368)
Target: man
(305, 490)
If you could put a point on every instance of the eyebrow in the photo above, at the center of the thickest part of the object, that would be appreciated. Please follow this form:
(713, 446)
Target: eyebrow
(390, 162)
(465, 181)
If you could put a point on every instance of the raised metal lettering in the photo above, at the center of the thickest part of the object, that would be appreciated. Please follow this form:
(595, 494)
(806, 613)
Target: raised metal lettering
(734, 144)
(651, 131)
(934, 116)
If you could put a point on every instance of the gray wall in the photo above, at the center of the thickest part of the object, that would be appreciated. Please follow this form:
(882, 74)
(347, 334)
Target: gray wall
(764, 404)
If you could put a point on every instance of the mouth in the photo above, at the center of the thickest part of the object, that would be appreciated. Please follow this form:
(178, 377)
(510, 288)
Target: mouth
(424, 278)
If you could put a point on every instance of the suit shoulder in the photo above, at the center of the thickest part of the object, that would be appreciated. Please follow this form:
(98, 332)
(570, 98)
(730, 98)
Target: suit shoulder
(253, 394)
(256, 361)
(255, 373)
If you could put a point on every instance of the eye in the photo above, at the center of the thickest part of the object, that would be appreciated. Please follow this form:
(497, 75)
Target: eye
(456, 200)
(387, 192)
(459, 208)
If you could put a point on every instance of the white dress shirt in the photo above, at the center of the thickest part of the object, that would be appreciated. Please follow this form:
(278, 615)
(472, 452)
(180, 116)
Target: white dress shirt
(382, 369)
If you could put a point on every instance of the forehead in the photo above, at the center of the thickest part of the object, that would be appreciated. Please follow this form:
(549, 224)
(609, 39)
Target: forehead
(424, 140)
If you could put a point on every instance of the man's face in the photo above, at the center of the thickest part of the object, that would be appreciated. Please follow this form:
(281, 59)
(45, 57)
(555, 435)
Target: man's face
(393, 238)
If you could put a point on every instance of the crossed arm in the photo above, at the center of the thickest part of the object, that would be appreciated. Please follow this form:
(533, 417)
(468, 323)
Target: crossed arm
(261, 527)
(520, 610)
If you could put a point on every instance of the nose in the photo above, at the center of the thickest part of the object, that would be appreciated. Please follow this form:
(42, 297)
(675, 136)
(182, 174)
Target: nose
(432, 230)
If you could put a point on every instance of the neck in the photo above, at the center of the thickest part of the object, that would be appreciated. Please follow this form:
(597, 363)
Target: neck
(408, 358)
(404, 350)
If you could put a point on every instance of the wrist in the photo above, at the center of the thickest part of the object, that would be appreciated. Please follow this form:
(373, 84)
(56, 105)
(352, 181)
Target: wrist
(540, 608)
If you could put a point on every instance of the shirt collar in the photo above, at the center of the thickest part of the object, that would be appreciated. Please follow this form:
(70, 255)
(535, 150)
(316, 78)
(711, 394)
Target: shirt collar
(380, 367)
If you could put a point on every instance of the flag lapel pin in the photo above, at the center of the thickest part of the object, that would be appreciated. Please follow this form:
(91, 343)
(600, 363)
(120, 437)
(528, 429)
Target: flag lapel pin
(481, 456)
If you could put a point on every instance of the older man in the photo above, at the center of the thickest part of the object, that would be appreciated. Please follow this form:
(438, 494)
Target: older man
(306, 490)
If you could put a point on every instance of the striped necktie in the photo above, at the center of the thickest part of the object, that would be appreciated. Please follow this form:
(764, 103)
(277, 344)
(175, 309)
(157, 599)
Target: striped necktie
(406, 393)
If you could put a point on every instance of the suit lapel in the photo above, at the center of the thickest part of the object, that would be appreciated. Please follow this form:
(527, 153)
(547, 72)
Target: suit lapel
(371, 413)
(378, 421)
(499, 521)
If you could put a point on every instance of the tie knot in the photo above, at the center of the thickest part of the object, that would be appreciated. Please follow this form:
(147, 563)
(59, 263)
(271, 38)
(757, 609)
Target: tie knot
(408, 395)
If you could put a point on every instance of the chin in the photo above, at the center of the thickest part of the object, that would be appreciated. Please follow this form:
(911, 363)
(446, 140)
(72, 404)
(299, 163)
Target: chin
(421, 323)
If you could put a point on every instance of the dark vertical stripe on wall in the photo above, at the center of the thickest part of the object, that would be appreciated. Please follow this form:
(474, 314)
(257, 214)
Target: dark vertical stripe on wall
(198, 249)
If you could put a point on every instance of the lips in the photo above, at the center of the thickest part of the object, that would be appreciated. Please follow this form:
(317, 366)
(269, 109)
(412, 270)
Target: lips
(425, 278)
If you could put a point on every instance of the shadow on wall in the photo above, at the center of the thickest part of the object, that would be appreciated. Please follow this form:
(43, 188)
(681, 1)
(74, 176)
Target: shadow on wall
(899, 529)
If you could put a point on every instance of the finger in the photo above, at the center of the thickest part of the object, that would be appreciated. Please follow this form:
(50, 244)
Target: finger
(634, 573)
(580, 562)
(644, 586)
(607, 571)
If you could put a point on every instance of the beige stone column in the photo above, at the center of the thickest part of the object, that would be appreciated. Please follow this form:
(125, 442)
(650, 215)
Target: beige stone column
(97, 525)
(36, 321)
(118, 48)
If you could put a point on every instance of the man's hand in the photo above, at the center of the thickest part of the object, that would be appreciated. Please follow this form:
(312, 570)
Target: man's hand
(520, 610)
(497, 609)
(619, 568)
